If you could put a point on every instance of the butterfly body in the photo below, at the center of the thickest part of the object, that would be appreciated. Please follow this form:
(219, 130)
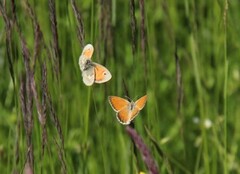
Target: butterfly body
(131, 105)
(91, 71)
(126, 110)
(84, 63)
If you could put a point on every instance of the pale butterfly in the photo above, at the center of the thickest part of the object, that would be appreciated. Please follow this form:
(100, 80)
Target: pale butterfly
(91, 71)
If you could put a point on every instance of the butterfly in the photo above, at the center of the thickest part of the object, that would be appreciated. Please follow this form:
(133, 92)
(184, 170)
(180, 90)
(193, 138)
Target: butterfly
(91, 71)
(126, 111)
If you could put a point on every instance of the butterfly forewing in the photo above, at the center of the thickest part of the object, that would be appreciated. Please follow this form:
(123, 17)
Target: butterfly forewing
(85, 56)
(140, 103)
(87, 51)
(118, 103)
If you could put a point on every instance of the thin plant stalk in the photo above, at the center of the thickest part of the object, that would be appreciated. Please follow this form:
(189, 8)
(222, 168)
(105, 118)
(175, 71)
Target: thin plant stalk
(225, 86)
(200, 102)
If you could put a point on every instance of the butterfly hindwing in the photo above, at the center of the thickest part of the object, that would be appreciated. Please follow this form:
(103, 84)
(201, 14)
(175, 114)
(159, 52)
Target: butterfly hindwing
(123, 115)
(101, 73)
(88, 76)
(133, 113)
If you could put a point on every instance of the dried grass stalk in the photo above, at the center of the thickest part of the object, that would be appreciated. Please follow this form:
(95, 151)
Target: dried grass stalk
(145, 152)
(143, 36)
(61, 157)
(133, 26)
(38, 35)
(44, 106)
(28, 96)
(53, 19)
(38, 104)
(80, 31)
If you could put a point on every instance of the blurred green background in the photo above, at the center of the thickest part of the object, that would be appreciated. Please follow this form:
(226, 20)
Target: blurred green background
(192, 111)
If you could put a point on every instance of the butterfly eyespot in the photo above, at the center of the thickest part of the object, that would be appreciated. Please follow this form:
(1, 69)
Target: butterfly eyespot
(105, 73)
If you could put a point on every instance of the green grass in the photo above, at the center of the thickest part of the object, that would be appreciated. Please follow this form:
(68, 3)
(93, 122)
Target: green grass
(206, 36)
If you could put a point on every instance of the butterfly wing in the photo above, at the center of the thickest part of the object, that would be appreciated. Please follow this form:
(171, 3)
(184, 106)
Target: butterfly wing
(88, 75)
(133, 113)
(82, 62)
(124, 116)
(140, 103)
(87, 51)
(85, 56)
(101, 73)
(117, 103)
(121, 106)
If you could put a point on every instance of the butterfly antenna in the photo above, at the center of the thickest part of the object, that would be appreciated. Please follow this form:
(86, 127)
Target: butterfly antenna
(135, 98)
(128, 98)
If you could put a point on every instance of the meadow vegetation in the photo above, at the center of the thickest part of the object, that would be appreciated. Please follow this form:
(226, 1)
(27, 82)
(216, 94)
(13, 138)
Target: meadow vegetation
(183, 54)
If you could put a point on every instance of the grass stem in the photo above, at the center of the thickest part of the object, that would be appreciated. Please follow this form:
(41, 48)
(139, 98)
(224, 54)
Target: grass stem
(200, 102)
(225, 87)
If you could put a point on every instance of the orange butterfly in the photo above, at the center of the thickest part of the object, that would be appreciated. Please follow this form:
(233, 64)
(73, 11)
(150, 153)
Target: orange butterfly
(126, 111)
(91, 71)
